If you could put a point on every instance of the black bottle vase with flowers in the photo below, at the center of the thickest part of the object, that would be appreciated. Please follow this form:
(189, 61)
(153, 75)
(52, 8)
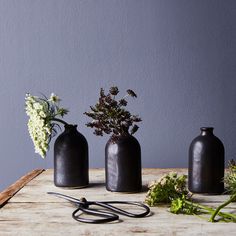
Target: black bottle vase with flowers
(206, 163)
(123, 164)
(123, 168)
(71, 159)
(70, 148)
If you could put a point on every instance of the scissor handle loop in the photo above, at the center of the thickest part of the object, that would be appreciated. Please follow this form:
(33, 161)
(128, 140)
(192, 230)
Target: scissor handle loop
(108, 205)
(105, 217)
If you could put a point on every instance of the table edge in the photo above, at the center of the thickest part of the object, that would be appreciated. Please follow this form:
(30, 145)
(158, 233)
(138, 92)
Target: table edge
(10, 191)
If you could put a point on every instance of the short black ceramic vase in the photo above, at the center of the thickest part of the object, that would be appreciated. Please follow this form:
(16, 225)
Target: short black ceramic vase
(206, 163)
(123, 164)
(71, 159)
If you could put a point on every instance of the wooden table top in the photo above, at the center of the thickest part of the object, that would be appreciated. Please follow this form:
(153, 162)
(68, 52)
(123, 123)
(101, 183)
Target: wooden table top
(27, 209)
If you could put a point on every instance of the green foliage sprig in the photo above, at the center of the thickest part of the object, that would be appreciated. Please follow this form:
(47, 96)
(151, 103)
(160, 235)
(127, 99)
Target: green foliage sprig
(230, 178)
(110, 115)
(172, 189)
(230, 181)
(167, 188)
(43, 113)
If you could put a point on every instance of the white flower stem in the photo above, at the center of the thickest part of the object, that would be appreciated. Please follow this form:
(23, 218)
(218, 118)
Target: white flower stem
(59, 120)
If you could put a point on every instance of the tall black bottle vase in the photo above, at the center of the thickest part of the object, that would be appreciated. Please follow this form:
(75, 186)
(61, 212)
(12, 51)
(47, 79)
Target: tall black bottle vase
(206, 163)
(123, 164)
(71, 159)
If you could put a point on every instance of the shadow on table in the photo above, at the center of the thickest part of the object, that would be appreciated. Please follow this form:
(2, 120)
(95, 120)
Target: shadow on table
(92, 185)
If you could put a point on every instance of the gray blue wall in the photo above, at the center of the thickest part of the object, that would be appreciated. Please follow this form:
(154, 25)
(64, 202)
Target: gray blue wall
(179, 56)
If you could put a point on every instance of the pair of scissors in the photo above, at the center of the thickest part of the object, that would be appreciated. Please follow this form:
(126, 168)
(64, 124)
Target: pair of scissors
(109, 212)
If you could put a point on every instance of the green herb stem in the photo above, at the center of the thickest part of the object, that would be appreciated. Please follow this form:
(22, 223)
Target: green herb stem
(213, 211)
(217, 211)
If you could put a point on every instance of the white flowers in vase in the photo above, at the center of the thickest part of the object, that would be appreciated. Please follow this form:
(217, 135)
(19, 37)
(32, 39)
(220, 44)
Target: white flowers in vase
(43, 113)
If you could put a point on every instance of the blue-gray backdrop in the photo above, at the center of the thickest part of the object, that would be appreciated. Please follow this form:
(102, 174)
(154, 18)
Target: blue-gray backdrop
(179, 56)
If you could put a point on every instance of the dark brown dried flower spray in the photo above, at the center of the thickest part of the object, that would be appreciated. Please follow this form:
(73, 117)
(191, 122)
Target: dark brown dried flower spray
(109, 115)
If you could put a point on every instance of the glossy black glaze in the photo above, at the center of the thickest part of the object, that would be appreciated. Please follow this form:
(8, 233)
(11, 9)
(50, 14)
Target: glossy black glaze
(123, 164)
(206, 163)
(71, 159)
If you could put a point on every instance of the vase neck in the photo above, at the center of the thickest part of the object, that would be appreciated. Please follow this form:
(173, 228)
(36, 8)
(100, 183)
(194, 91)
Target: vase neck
(70, 127)
(206, 131)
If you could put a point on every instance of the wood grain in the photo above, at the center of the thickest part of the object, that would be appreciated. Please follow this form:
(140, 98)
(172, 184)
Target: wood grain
(14, 188)
(33, 212)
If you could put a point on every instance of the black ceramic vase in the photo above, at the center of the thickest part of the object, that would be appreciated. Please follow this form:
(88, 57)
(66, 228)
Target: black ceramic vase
(123, 164)
(206, 163)
(71, 159)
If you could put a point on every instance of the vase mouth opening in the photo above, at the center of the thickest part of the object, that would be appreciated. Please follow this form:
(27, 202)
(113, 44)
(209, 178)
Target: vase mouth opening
(70, 126)
(207, 128)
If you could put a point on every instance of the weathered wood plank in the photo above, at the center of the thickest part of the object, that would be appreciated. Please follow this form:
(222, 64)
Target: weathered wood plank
(38, 218)
(14, 188)
(33, 212)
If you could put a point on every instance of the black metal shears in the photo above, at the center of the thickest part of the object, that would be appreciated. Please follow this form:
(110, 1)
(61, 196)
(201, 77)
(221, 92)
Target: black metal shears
(107, 211)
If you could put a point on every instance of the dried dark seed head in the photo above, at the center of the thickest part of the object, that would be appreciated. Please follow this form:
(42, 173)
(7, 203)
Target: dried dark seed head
(126, 115)
(100, 102)
(107, 130)
(102, 93)
(134, 129)
(135, 119)
(108, 99)
(123, 102)
(113, 103)
(114, 90)
(131, 93)
(90, 124)
(98, 132)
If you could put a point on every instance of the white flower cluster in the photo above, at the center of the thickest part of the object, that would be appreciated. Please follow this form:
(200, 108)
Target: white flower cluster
(41, 113)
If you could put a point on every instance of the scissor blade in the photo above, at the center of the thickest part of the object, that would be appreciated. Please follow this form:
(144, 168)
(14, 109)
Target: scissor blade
(68, 198)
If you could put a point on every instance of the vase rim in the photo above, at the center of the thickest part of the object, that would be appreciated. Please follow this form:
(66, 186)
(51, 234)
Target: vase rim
(70, 126)
(206, 128)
